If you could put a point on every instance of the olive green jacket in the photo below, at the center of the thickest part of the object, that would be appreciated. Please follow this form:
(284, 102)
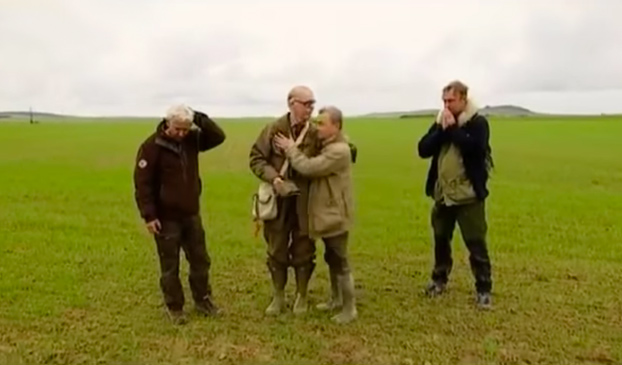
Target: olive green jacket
(266, 159)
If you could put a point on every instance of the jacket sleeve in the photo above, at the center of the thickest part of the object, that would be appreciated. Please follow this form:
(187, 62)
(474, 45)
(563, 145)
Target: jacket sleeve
(145, 181)
(259, 154)
(329, 161)
(431, 142)
(474, 141)
(210, 135)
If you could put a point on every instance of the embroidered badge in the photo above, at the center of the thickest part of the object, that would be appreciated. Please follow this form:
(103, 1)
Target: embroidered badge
(142, 163)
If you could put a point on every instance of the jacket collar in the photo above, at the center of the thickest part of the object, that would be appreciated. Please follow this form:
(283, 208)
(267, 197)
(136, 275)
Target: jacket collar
(163, 141)
(467, 114)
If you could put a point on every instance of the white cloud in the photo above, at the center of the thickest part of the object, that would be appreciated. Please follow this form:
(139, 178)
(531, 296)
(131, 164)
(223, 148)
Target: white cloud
(241, 57)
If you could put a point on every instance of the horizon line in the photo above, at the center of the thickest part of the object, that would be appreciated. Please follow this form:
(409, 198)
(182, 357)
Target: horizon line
(412, 113)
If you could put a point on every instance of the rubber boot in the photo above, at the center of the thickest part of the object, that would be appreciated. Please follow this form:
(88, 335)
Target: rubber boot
(348, 311)
(279, 279)
(335, 300)
(303, 275)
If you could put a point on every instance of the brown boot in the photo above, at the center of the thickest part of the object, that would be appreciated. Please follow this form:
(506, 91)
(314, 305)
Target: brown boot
(348, 311)
(335, 300)
(207, 307)
(279, 279)
(177, 316)
(303, 275)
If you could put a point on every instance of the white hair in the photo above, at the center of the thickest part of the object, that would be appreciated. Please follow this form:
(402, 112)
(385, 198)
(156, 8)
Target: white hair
(179, 113)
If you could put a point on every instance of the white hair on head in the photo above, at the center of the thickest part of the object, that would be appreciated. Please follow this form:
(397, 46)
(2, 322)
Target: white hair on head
(179, 113)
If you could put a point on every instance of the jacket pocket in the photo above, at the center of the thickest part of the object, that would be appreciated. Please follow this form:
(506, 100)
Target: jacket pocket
(329, 218)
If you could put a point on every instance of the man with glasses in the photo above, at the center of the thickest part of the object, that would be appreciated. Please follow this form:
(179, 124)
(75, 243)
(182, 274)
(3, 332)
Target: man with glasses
(287, 235)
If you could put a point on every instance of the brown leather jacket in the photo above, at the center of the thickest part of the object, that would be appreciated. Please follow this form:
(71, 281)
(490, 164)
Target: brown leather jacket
(166, 173)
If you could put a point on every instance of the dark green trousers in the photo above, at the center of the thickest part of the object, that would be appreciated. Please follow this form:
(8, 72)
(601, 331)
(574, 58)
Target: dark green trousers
(471, 219)
(286, 244)
(186, 234)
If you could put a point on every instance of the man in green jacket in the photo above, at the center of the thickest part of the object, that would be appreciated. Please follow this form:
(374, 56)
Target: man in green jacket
(330, 208)
(458, 143)
(287, 236)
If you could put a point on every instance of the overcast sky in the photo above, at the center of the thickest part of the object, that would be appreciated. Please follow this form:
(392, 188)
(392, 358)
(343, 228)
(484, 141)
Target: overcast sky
(236, 57)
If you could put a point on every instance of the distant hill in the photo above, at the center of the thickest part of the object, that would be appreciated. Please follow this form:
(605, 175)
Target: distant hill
(23, 114)
(498, 110)
(508, 110)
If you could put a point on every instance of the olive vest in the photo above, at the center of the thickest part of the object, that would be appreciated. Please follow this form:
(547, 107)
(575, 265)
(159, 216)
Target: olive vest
(452, 186)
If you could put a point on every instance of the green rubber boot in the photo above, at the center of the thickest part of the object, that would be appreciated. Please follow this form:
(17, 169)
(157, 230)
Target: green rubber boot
(335, 300)
(303, 275)
(348, 311)
(279, 279)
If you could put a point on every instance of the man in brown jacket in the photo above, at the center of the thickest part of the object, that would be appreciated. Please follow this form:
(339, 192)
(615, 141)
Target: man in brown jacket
(167, 190)
(287, 236)
(330, 204)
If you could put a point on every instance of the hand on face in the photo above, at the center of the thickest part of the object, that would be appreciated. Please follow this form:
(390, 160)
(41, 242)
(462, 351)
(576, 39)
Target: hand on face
(447, 119)
(283, 142)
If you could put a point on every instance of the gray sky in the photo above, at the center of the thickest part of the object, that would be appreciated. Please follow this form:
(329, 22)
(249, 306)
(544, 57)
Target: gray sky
(239, 57)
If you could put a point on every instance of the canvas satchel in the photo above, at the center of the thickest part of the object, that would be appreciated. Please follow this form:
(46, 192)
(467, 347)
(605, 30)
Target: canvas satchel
(264, 206)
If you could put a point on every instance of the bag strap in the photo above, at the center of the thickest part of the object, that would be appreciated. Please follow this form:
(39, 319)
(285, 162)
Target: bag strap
(301, 136)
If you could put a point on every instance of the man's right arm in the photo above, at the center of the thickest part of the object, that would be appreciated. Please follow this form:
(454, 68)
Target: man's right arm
(145, 181)
(209, 135)
(432, 141)
(259, 154)
(333, 158)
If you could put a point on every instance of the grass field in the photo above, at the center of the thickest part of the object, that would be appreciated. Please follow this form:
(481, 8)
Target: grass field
(79, 274)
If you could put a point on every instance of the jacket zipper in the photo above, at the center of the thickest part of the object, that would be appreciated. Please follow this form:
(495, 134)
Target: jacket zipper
(183, 165)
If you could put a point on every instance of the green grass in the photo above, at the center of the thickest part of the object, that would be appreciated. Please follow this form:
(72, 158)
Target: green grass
(79, 274)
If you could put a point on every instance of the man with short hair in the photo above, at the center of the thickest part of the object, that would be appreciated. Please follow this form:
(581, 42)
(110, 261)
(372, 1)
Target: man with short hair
(287, 236)
(330, 204)
(167, 191)
(458, 143)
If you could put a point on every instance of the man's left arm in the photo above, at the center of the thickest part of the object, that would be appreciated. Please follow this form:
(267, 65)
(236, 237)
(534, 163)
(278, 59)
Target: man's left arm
(475, 140)
(330, 160)
(209, 134)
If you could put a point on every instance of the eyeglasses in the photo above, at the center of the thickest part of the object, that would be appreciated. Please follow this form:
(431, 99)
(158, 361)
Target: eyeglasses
(307, 103)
